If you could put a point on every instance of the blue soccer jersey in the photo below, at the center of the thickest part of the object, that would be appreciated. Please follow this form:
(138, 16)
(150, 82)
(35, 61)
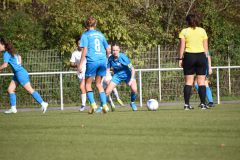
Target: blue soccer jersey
(121, 67)
(20, 74)
(96, 44)
(13, 61)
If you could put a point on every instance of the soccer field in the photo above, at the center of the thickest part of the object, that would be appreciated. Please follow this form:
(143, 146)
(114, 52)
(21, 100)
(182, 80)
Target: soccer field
(167, 134)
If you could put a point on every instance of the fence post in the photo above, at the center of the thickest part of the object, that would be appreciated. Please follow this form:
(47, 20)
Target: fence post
(159, 73)
(218, 87)
(229, 76)
(140, 87)
(61, 90)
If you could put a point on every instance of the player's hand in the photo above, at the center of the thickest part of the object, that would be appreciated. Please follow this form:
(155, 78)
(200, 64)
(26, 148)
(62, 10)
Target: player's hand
(80, 69)
(180, 63)
(210, 70)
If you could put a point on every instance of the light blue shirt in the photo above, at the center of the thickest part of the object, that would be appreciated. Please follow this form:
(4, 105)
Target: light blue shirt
(13, 61)
(121, 66)
(96, 44)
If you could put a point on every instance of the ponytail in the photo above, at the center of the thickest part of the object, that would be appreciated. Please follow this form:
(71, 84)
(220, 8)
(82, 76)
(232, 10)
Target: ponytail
(8, 47)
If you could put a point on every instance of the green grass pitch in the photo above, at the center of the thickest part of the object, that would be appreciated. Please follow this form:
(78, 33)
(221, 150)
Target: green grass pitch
(167, 134)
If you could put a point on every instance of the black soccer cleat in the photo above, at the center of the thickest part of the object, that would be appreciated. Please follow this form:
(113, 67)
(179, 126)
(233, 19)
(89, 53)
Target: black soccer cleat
(210, 104)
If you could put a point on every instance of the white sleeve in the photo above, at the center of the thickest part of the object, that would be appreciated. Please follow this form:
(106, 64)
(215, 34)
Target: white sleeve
(73, 59)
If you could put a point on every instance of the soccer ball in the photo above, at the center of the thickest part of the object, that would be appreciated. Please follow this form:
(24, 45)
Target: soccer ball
(152, 104)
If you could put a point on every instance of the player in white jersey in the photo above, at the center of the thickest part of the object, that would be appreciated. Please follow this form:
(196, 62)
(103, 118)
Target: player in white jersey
(74, 63)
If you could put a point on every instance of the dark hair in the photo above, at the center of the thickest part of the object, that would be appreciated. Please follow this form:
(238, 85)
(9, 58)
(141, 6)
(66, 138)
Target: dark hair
(90, 22)
(115, 43)
(8, 46)
(192, 20)
(77, 39)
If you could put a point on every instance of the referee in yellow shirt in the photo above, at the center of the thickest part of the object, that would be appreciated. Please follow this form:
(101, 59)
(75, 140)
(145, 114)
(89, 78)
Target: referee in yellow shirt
(192, 57)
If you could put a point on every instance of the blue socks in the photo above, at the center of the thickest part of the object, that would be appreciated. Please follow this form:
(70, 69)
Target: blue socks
(209, 94)
(103, 98)
(13, 99)
(90, 97)
(37, 97)
(133, 96)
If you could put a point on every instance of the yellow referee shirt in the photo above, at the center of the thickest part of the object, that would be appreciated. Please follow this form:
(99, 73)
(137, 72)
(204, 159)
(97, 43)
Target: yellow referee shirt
(193, 39)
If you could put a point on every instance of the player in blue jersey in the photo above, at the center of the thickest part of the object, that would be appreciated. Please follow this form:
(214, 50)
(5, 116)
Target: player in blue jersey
(20, 76)
(95, 47)
(106, 80)
(123, 71)
(208, 89)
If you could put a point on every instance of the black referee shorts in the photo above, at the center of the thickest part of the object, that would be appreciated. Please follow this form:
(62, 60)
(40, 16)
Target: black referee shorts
(194, 63)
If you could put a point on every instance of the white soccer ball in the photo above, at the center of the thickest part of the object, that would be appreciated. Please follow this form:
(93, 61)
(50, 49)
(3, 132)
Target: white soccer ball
(152, 104)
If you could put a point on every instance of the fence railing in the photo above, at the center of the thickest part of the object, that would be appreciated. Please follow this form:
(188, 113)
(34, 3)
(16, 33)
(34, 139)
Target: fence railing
(164, 84)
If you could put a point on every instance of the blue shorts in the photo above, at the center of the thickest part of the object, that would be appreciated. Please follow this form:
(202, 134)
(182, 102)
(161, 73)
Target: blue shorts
(98, 68)
(21, 77)
(117, 79)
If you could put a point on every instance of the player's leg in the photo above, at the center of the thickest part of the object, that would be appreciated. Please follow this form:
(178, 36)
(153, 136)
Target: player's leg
(133, 95)
(36, 96)
(90, 94)
(189, 71)
(90, 73)
(201, 76)
(105, 81)
(83, 93)
(101, 72)
(12, 96)
(115, 92)
(209, 94)
(109, 90)
(23, 79)
(195, 84)
(188, 91)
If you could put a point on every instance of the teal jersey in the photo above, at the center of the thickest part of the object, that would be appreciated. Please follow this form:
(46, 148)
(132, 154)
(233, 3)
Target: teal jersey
(96, 45)
(13, 61)
(121, 66)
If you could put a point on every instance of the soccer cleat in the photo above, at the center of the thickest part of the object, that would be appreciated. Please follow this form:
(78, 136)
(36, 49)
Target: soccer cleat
(82, 108)
(133, 106)
(186, 107)
(120, 102)
(105, 108)
(12, 110)
(203, 106)
(98, 110)
(44, 107)
(112, 107)
(210, 104)
(92, 108)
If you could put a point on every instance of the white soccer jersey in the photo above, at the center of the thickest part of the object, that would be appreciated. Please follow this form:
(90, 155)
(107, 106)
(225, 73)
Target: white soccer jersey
(75, 58)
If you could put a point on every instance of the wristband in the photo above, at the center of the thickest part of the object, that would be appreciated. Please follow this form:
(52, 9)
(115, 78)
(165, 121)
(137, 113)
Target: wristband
(179, 59)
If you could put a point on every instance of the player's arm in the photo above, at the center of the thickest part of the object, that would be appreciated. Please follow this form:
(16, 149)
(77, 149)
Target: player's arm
(83, 58)
(4, 65)
(20, 59)
(205, 46)
(132, 70)
(181, 51)
(73, 65)
(83, 45)
(132, 74)
(209, 64)
(6, 58)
